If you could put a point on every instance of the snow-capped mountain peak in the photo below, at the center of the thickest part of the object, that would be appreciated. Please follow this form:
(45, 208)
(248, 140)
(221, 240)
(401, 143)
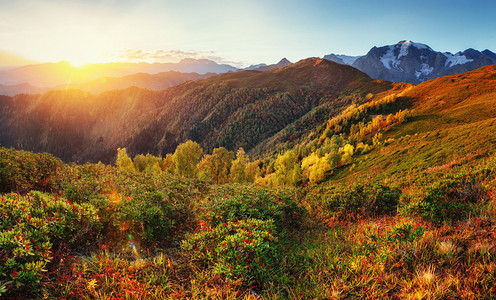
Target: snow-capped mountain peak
(408, 61)
(392, 57)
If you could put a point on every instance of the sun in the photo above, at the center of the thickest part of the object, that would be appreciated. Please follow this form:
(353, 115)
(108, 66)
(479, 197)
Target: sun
(78, 63)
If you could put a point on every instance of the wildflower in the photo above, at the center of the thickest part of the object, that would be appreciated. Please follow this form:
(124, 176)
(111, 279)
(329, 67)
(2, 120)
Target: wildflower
(91, 284)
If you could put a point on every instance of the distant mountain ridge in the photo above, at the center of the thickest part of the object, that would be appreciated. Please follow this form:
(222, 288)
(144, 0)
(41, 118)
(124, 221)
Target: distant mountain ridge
(263, 67)
(50, 75)
(155, 82)
(412, 62)
(96, 78)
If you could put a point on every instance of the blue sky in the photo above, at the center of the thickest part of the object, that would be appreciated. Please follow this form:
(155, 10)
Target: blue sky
(242, 32)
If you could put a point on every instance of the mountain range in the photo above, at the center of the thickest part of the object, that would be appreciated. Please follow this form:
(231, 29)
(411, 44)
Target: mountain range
(96, 78)
(412, 62)
(50, 75)
(405, 61)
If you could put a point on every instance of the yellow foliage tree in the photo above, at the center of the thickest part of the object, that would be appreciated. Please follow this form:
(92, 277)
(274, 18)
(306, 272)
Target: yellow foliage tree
(315, 167)
(167, 164)
(185, 159)
(252, 171)
(288, 171)
(347, 151)
(123, 161)
(217, 165)
(238, 167)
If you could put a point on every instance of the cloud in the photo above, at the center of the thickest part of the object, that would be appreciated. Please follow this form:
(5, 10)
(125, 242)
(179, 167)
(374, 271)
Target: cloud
(165, 56)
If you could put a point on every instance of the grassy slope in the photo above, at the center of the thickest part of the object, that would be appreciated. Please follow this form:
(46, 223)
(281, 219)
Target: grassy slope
(454, 121)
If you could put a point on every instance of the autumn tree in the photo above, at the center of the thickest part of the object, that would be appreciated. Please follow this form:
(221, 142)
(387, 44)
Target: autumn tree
(348, 151)
(123, 161)
(252, 171)
(314, 167)
(167, 164)
(139, 162)
(287, 169)
(185, 159)
(217, 165)
(147, 163)
(238, 167)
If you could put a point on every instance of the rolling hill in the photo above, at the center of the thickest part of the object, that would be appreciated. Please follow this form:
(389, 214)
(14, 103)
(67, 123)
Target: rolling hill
(453, 123)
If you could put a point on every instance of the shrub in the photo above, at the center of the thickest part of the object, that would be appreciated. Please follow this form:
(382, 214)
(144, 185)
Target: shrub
(31, 226)
(362, 200)
(245, 250)
(399, 244)
(150, 215)
(242, 202)
(22, 171)
(449, 200)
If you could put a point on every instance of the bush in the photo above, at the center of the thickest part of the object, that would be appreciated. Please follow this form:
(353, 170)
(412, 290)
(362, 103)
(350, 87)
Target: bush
(239, 202)
(32, 226)
(151, 216)
(361, 200)
(150, 207)
(449, 200)
(22, 171)
(245, 251)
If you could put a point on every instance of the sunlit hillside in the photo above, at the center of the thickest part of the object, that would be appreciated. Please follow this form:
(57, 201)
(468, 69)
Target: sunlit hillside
(312, 181)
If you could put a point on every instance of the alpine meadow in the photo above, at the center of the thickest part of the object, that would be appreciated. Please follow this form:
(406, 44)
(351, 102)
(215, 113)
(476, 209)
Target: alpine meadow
(130, 170)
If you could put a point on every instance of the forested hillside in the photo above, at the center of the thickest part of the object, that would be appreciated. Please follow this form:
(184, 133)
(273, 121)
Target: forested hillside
(79, 126)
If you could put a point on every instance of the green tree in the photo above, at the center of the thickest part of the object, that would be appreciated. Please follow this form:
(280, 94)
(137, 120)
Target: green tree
(153, 164)
(123, 161)
(185, 159)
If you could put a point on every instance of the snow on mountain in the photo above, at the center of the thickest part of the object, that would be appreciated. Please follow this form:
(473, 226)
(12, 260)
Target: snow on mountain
(407, 61)
(395, 52)
(456, 59)
(389, 60)
(425, 70)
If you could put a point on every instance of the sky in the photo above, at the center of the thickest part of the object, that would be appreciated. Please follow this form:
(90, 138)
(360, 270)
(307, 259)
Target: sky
(236, 32)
